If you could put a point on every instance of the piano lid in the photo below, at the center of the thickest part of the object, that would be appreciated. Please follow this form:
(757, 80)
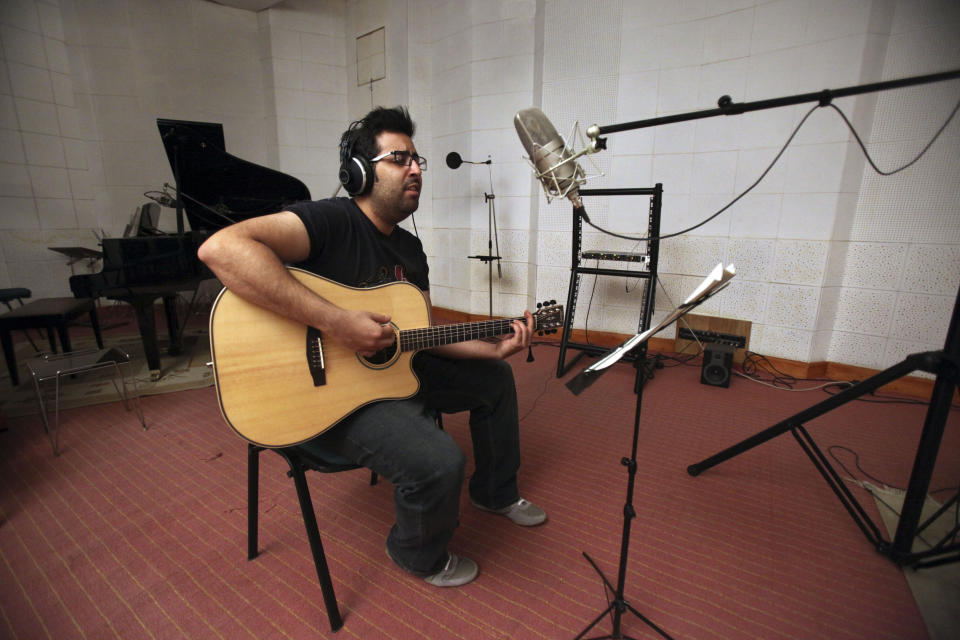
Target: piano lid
(216, 188)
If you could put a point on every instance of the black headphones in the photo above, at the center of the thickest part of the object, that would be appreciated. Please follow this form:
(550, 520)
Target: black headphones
(356, 172)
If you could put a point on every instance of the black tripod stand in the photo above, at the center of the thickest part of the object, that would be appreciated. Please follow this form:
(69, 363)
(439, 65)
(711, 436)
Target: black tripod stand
(619, 605)
(946, 365)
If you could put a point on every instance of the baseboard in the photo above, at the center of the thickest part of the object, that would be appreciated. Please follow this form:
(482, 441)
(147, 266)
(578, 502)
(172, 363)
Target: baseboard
(913, 386)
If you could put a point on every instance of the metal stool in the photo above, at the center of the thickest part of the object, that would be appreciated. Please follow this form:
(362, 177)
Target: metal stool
(55, 367)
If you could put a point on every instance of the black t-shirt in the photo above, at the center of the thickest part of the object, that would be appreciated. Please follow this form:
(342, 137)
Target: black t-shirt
(346, 247)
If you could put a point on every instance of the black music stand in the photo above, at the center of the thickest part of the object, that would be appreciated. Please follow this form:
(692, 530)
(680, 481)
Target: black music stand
(637, 346)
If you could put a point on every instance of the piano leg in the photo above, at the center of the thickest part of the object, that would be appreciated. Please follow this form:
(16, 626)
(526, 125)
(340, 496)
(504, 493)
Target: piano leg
(173, 324)
(148, 334)
(95, 325)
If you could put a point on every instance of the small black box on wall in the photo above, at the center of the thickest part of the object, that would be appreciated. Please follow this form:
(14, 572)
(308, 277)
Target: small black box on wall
(717, 365)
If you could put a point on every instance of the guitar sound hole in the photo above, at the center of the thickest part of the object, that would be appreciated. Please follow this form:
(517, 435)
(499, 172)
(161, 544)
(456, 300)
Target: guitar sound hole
(382, 357)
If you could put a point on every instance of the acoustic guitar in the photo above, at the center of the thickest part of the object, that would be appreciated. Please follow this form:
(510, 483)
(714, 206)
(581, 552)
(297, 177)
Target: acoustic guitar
(280, 382)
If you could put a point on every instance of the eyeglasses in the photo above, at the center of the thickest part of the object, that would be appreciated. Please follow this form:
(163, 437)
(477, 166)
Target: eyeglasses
(403, 158)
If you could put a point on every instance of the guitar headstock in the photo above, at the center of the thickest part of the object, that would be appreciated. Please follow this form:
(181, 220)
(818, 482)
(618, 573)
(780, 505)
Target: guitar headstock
(548, 317)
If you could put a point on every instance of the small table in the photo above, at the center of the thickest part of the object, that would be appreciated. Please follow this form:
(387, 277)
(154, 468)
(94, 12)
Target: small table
(49, 314)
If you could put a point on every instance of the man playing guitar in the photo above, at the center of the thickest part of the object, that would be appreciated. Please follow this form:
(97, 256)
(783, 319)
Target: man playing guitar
(357, 242)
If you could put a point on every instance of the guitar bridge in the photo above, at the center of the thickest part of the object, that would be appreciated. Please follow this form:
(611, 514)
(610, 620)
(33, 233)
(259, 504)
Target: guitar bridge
(315, 357)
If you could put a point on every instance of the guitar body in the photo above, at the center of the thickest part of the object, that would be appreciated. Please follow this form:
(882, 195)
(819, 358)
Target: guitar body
(264, 384)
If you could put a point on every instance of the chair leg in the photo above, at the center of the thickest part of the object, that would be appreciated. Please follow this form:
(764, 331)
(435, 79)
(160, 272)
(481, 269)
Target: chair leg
(316, 545)
(253, 499)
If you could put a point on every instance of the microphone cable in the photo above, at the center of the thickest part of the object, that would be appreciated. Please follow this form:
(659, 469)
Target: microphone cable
(777, 158)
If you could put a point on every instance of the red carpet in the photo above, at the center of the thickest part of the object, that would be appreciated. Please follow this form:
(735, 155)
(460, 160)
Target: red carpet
(134, 534)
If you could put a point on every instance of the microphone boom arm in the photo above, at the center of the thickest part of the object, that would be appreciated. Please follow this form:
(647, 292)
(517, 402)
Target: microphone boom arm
(726, 106)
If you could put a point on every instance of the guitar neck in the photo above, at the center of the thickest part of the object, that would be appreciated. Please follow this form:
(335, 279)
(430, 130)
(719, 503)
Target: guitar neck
(413, 339)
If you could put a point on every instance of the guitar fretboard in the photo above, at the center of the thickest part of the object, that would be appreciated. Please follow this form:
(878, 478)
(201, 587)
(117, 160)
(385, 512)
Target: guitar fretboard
(413, 339)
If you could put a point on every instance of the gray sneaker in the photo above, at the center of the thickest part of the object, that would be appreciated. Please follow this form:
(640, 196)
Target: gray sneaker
(457, 572)
(524, 513)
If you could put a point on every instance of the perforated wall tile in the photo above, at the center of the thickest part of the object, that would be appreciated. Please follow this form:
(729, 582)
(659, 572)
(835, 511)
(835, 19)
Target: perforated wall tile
(792, 306)
(932, 268)
(921, 318)
(783, 342)
(864, 311)
(800, 261)
(857, 349)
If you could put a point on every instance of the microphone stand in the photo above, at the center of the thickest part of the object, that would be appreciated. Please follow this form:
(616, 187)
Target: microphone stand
(491, 235)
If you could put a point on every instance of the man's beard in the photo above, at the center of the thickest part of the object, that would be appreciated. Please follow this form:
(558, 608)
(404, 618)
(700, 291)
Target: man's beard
(397, 207)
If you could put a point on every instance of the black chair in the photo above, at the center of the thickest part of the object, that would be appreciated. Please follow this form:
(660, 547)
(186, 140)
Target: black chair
(300, 461)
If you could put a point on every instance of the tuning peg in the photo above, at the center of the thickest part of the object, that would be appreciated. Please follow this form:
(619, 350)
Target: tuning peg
(539, 304)
(553, 302)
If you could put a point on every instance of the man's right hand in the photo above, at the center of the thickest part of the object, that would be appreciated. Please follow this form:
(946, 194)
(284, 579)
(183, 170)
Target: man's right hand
(365, 332)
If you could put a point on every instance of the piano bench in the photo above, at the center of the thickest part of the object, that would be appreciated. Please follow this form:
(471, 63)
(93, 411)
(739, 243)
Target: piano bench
(49, 314)
(17, 293)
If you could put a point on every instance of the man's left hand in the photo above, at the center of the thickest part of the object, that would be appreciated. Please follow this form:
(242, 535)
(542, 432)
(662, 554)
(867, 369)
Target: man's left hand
(522, 334)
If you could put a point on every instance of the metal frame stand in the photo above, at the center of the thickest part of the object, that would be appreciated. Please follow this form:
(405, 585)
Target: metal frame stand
(946, 365)
(648, 274)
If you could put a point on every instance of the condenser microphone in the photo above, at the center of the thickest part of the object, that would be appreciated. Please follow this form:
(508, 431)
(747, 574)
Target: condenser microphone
(454, 160)
(554, 163)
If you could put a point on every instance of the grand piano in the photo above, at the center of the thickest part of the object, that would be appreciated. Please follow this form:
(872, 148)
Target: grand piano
(214, 190)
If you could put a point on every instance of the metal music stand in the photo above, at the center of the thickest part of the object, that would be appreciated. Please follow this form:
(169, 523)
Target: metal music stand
(78, 254)
(716, 281)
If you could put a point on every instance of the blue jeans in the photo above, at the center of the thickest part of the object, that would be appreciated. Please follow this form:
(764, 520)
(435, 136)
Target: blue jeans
(399, 440)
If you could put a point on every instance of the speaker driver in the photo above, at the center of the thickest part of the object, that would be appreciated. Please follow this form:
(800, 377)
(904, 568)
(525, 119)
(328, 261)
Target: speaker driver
(717, 365)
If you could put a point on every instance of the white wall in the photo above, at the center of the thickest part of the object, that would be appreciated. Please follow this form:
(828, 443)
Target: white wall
(639, 60)
(45, 188)
(305, 73)
(83, 84)
(834, 261)
(820, 243)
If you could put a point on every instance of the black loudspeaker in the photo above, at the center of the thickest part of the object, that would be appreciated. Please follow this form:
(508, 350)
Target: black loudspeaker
(717, 365)
(356, 173)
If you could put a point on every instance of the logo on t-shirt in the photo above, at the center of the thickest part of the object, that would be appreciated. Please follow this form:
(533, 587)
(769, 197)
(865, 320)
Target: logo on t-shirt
(384, 276)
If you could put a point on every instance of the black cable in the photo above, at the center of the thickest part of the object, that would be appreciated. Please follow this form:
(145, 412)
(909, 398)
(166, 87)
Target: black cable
(876, 481)
(777, 157)
(586, 320)
(867, 153)
(876, 398)
(754, 365)
(856, 460)
(728, 205)
(543, 391)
